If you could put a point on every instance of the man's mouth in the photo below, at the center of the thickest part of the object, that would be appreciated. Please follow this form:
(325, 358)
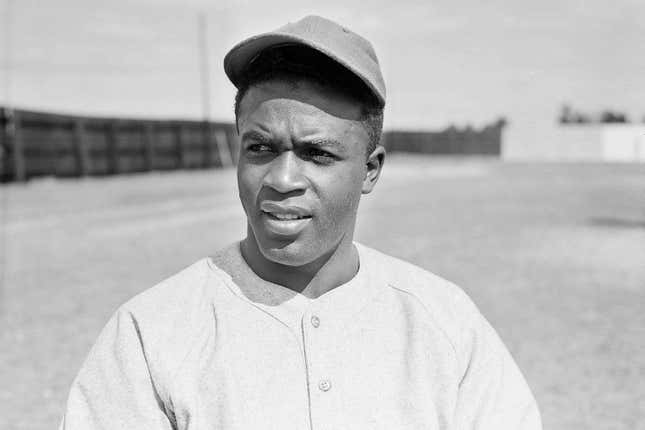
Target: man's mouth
(286, 216)
(285, 220)
(284, 212)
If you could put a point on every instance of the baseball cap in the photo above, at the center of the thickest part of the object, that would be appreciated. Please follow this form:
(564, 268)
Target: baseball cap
(342, 45)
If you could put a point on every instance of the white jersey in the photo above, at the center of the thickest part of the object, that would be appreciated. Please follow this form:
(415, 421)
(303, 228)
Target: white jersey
(217, 347)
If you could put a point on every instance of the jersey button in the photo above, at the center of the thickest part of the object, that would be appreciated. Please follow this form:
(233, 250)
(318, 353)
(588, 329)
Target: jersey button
(315, 321)
(324, 385)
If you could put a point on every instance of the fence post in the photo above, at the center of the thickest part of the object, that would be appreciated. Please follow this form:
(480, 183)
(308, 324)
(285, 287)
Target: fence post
(148, 141)
(221, 139)
(80, 146)
(4, 145)
(14, 132)
(208, 159)
(111, 149)
(233, 145)
(179, 142)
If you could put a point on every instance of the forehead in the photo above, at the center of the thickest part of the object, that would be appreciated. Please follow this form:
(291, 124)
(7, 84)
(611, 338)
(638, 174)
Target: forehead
(300, 107)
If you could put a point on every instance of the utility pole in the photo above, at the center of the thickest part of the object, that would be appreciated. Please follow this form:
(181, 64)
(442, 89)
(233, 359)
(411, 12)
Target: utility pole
(7, 66)
(221, 140)
(6, 138)
(205, 88)
(11, 137)
(202, 28)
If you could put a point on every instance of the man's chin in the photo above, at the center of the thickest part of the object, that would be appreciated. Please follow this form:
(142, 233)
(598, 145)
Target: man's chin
(291, 252)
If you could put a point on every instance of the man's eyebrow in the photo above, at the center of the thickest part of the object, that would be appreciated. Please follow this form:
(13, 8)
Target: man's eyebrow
(323, 143)
(254, 135)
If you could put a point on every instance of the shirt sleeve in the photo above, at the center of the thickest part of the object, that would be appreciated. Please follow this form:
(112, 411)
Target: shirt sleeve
(114, 388)
(493, 394)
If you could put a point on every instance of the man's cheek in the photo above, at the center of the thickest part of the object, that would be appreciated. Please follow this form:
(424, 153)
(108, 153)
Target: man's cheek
(340, 213)
(247, 195)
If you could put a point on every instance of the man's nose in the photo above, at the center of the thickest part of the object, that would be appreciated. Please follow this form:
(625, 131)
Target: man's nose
(285, 174)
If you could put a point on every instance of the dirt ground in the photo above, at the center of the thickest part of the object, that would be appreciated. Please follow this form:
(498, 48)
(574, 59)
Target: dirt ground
(554, 255)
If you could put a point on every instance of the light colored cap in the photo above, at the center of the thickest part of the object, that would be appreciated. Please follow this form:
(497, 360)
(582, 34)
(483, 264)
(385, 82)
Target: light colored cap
(335, 41)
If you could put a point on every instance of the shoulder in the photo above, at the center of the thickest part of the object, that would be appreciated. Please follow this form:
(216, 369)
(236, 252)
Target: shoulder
(174, 295)
(441, 302)
(490, 382)
(429, 289)
(170, 317)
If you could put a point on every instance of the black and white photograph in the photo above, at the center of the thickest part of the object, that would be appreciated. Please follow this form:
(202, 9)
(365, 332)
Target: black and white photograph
(340, 215)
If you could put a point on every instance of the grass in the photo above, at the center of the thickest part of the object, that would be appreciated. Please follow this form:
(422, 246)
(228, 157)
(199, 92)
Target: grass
(553, 254)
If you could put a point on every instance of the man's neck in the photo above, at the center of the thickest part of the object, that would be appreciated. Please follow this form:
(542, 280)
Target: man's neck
(311, 280)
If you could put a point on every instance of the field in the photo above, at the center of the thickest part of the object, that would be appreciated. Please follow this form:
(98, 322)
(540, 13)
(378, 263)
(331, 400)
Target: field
(554, 255)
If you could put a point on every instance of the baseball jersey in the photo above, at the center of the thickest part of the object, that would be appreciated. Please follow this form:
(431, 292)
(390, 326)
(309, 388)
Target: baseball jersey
(216, 347)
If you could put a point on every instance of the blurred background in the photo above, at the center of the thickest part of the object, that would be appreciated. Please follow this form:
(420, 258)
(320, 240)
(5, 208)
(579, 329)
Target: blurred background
(516, 168)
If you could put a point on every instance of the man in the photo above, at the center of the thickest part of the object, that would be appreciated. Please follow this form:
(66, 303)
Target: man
(297, 326)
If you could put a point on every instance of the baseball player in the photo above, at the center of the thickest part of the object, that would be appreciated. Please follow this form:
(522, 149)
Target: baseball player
(297, 326)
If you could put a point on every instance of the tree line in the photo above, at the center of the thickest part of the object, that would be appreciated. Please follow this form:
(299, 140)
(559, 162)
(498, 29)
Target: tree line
(569, 115)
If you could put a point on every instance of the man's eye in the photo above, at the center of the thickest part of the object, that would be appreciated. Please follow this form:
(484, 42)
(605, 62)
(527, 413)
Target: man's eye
(319, 155)
(259, 148)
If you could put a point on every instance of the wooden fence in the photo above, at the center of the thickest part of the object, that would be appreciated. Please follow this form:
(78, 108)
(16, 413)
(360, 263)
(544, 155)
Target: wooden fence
(466, 141)
(44, 144)
(36, 144)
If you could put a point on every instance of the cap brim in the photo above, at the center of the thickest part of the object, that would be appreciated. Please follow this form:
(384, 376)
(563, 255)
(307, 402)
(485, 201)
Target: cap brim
(239, 57)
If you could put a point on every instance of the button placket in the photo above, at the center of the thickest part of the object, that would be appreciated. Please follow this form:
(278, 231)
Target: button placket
(319, 344)
(313, 340)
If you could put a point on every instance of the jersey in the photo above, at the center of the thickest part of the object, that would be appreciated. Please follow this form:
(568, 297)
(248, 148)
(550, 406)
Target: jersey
(215, 346)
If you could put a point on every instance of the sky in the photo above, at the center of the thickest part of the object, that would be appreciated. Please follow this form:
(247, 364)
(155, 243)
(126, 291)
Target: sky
(444, 62)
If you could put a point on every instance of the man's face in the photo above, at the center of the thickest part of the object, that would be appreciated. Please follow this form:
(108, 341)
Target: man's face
(302, 169)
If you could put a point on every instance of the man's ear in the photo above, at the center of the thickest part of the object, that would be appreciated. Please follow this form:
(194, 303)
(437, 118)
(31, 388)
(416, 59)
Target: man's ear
(374, 165)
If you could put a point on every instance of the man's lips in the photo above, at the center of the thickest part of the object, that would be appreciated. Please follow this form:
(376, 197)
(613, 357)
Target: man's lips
(284, 220)
(284, 212)
(285, 217)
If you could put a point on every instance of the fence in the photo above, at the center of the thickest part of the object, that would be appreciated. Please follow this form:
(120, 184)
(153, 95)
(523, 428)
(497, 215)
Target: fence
(35, 144)
(466, 141)
(38, 144)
